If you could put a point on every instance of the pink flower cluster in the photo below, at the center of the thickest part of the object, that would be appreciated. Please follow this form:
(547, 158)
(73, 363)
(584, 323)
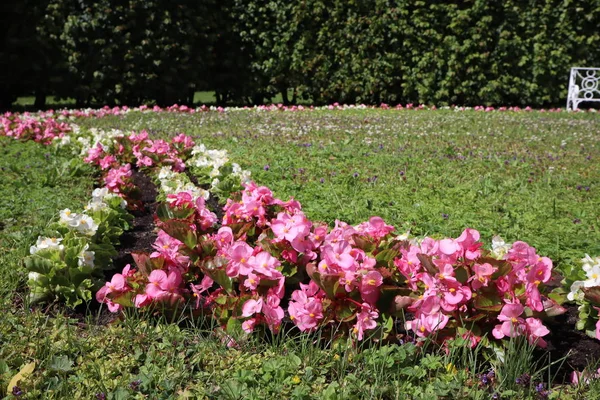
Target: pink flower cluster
(457, 282)
(26, 127)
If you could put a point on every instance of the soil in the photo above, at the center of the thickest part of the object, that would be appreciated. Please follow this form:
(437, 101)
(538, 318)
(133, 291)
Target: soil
(565, 341)
(142, 235)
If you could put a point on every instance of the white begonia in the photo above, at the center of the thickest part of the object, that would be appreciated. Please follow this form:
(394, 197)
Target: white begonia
(44, 243)
(198, 149)
(166, 173)
(34, 276)
(593, 277)
(576, 294)
(589, 262)
(215, 182)
(100, 193)
(499, 247)
(84, 224)
(86, 258)
(96, 205)
(67, 216)
(214, 173)
(85, 145)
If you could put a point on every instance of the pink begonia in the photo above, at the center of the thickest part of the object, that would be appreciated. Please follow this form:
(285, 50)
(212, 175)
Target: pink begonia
(168, 248)
(94, 154)
(187, 141)
(223, 238)
(252, 281)
(305, 307)
(115, 178)
(139, 138)
(107, 162)
(483, 274)
(290, 227)
(181, 199)
(369, 287)
(197, 290)
(512, 323)
(469, 243)
(366, 319)
(339, 254)
(375, 227)
(239, 254)
(207, 217)
(535, 331)
(273, 312)
(248, 325)
(163, 287)
(252, 307)
(265, 264)
(115, 288)
(425, 324)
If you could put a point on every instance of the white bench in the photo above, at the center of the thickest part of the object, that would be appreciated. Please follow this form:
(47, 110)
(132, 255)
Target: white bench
(583, 86)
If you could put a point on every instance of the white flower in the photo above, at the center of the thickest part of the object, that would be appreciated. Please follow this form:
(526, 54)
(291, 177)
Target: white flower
(95, 205)
(403, 236)
(499, 247)
(589, 262)
(44, 243)
(67, 216)
(84, 224)
(100, 193)
(215, 182)
(198, 149)
(593, 277)
(86, 258)
(576, 294)
(34, 276)
(214, 173)
(166, 173)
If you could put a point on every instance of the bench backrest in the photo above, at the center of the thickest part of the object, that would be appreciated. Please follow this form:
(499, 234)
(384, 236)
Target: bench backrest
(584, 85)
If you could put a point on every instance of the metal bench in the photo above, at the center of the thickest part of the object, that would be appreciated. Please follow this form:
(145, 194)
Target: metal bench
(583, 86)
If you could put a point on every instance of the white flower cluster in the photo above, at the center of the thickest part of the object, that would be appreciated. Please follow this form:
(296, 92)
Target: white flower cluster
(499, 247)
(99, 196)
(82, 223)
(591, 266)
(99, 136)
(215, 159)
(45, 243)
(172, 182)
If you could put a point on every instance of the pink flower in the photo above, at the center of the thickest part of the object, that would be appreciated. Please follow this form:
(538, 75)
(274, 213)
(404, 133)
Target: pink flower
(252, 307)
(239, 255)
(535, 331)
(369, 286)
(483, 273)
(365, 320)
(425, 324)
(512, 324)
(248, 325)
(468, 241)
(265, 264)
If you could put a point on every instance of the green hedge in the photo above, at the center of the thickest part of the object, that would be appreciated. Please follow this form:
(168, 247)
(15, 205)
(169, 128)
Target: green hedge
(351, 51)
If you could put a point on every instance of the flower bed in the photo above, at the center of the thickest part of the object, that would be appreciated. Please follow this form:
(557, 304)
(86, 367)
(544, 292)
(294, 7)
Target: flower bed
(265, 258)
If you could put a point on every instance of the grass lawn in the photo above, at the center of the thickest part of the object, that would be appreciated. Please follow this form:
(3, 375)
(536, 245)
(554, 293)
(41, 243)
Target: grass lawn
(523, 176)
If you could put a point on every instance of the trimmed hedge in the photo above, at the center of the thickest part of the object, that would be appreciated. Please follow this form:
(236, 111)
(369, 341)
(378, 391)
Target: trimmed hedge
(349, 51)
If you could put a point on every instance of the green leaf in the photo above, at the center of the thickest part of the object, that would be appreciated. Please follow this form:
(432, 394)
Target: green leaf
(60, 364)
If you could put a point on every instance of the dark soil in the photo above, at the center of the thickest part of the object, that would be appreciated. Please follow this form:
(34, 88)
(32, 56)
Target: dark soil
(142, 235)
(565, 340)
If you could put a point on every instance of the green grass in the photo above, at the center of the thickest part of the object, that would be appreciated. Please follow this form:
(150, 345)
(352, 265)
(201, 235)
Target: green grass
(425, 171)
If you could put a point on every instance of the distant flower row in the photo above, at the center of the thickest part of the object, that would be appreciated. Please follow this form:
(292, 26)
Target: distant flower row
(120, 110)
